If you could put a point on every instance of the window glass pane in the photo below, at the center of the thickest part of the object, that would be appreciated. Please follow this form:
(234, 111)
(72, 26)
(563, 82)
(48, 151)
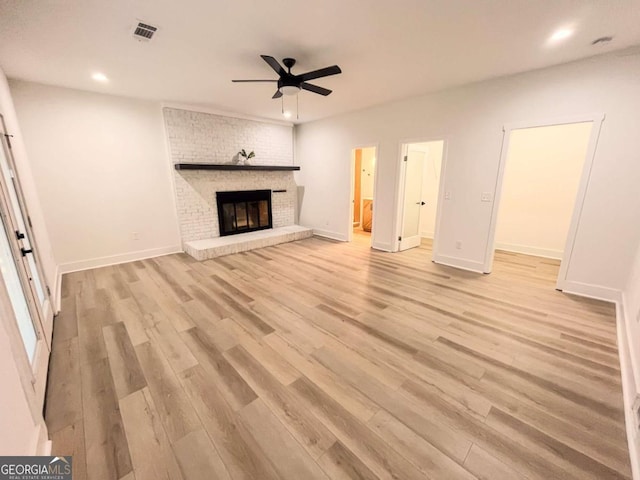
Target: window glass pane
(20, 218)
(264, 213)
(229, 217)
(253, 215)
(241, 216)
(11, 280)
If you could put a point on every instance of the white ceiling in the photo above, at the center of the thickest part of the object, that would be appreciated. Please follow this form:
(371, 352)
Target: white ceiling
(387, 49)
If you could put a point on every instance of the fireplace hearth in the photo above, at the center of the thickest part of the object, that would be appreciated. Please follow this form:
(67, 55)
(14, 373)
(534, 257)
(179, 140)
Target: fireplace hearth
(244, 211)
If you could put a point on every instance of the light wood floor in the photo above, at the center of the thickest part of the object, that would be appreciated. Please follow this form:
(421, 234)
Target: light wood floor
(317, 359)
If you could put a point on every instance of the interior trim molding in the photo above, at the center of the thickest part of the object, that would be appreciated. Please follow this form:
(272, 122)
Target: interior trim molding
(57, 291)
(43, 444)
(458, 262)
(527, 250)
(116, 259)
(596, 292)
(332, 235)
(383, 246)
(634, 355)
(628, 389)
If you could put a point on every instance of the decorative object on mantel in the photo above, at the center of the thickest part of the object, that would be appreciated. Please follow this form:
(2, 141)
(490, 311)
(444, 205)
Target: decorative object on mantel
(228, 166)
(246, 156)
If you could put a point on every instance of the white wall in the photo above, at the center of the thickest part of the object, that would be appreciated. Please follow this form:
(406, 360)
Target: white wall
(20, 430)
(430, 184)
(539, 189)
(102, 171)
(471, 118)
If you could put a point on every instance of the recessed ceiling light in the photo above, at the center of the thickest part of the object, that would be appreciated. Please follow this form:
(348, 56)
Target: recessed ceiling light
(286, 114)
(560, 34)
(100, 77)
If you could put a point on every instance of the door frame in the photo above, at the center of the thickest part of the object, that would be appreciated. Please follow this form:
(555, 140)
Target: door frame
(597, 119)
(400, 186)
(352, 179)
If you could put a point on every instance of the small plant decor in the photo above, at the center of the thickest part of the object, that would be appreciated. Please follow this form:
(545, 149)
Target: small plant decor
(246, 156)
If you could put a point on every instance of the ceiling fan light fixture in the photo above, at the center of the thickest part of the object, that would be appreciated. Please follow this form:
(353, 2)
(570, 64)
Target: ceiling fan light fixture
(289, 90)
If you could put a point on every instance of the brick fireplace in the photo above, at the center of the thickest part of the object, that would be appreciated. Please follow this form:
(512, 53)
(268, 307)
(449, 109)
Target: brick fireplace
(196, 137)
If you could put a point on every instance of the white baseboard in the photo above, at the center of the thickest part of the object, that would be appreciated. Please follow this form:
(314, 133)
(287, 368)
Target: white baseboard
(629, 389)
(527, 250)
(332, 235)
(591, 291)
(429, 235)
(116, 259)
(458, 262)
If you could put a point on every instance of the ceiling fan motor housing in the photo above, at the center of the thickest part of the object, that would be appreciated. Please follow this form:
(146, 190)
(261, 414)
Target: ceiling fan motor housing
(289, 85)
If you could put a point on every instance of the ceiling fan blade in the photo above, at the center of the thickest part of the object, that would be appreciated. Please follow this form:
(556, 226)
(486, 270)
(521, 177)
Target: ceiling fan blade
(278, 94)
(315, 88)
(273, 63)
(323, 72)
(246, 81)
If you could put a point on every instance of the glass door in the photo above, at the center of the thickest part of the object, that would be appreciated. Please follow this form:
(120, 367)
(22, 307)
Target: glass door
(26, 306)
(21, 223)
(9, 269)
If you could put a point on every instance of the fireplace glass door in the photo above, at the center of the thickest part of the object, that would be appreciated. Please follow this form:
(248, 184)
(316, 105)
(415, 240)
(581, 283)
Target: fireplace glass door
(243, 211)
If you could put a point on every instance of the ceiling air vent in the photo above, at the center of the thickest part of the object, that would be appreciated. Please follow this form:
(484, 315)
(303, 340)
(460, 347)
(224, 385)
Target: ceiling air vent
(144, 32)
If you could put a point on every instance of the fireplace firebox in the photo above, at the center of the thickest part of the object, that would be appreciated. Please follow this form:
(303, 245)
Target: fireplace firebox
(243, 211)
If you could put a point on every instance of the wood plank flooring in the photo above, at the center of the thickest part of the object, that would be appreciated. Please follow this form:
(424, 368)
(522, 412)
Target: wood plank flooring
(326, 360)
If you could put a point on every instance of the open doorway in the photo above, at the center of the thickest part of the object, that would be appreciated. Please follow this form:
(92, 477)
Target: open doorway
(420, 186)
(541, 185)
(363, 191)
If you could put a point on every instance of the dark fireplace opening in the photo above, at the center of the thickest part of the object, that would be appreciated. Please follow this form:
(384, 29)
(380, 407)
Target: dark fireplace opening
(243, 211)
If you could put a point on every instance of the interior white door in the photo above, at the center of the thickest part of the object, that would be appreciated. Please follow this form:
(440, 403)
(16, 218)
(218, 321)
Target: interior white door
(414, 167)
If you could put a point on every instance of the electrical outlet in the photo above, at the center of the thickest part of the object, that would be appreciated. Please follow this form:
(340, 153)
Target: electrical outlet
(458, 245)
(486, 197)
(135, 236)
(447, 195)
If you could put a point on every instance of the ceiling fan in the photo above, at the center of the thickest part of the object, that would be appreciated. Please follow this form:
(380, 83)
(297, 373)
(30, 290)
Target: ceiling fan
(290, 84)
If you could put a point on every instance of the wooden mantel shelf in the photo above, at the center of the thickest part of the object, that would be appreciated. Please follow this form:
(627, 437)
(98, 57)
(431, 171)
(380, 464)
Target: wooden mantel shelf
(216, 166)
